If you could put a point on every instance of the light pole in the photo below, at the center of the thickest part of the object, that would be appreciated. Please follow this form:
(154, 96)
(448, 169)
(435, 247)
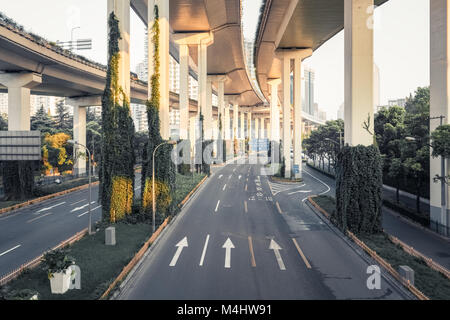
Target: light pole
(171, 142)
(89, 174)
(71, 37)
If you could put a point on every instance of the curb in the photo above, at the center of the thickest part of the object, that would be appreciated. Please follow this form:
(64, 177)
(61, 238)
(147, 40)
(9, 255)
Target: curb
(416, 292)
(44, 198)
(129, 270)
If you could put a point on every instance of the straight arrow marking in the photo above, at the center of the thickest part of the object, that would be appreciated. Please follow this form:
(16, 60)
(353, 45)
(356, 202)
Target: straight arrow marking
(228, 245)
(180, 246)
(220, 177)
(204, 250)
(276, 249)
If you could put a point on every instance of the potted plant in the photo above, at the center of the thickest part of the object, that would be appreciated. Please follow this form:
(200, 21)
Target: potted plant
(59, 273)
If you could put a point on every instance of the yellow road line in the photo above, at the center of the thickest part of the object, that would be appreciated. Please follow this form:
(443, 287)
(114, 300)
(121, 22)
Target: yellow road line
(252, 255)
(278, 207)
(245, 206)
(301, 254)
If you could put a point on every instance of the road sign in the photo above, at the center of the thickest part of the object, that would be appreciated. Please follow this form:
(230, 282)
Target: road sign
(296, 168)
(20, 145)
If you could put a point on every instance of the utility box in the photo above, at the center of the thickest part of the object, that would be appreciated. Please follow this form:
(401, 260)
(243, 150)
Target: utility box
(110, 236)
(406, 273)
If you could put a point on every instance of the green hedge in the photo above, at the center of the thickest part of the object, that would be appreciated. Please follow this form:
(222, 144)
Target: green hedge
(412, 214)
(358, 190)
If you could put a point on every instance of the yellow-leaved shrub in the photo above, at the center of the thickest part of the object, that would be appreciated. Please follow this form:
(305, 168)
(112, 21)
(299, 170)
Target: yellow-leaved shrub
(121, 198)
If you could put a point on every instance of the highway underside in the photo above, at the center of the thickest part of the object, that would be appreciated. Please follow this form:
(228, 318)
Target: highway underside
(244, 237)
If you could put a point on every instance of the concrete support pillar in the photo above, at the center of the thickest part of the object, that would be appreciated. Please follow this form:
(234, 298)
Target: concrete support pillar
(257, 128)
(242, 134)
(235, 120)
(164, 58)
(219, 80)
(269, 130)
(79, 105)
(207, 111)
(439, 106)
(192, 128)
(274, 110)
(184, 91)
(287, 139)
(249, 125)
(226, 122)
(19, 87)
(121, 9)
(221, 106)
(202, 40)
(358, 71)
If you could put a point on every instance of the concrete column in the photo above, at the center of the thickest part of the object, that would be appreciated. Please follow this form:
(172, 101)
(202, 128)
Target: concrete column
(269, 130)
(184, 91)
(207, 111)
(19, 88)
(256, 128)
(192, 128)
(287, 139)
(249, 125)
(358, 71)
(221, 106)
(79, 105)
(227, 135)
(164, 58)
(235, 120)
(242, 134)
(274, 110)
(439, 105)
(121, 9)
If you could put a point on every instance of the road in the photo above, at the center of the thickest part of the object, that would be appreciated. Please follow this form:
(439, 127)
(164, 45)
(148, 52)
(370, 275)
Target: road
(27, 233)
(244, 237)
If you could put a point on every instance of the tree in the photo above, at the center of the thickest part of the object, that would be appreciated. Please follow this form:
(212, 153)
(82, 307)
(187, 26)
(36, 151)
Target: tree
(3, 122)
(62, 118)
(43, 122)
(441, 141)
(117, 166)
(56, 152)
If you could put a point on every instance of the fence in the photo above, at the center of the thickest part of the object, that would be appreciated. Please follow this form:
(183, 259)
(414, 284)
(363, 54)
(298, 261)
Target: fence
(36, 261)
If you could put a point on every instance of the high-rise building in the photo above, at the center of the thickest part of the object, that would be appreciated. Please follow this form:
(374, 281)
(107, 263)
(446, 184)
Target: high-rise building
(309, 91)
(3, 103)
(249, 47)
(139, 116)
(174, 75)
(141, 71)
(340, 113)
(397, 102)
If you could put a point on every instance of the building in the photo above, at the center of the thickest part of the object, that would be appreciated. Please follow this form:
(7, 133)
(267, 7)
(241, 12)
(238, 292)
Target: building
(397, 102)
(249, 48)
(322, 115)
(141, 71)
(139, 116)
(174, 75)
(308, 106)
(3, 103)
(340, 113)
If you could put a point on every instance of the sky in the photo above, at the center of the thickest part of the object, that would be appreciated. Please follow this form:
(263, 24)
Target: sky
(401, 41)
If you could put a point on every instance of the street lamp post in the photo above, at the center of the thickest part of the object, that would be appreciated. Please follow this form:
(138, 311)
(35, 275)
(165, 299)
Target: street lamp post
(89, 174)
(171, 142)
(71, 37)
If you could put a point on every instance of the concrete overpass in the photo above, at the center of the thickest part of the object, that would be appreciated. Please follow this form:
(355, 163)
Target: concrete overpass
(291, 30)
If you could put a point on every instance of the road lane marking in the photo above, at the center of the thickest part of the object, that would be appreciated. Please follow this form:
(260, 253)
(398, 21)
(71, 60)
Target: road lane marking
(49, 208)
(82, 207)
(220, 177)
(246, 187)
(8, 251)
(301, 254)
(252, 254)
(240, 177)
(234, 170)
(44, 215)
(245, 206)
(72, 204)
(228, 245)
(180, 246)
(301, 191)
(328, 187)
(278, 207)
(224, 187)
(80, 215)
(204, 250)
(217, 206)
(276, 249)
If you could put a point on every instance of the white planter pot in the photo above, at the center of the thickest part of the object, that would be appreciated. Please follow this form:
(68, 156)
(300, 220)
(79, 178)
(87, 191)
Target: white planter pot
(60, 282)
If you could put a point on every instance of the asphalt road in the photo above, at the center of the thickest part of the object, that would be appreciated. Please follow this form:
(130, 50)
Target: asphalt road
(27, 233)
(243, 237)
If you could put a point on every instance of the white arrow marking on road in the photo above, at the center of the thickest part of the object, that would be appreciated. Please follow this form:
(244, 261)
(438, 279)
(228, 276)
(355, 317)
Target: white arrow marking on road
(204, 251)
(49, 208)
(82, 207)
(180, 246)
(240, 177)
(228, 245)
(7, 251)
(276, 249)
(220, 177)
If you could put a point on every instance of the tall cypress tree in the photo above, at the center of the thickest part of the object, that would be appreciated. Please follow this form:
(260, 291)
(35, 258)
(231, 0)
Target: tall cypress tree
(117, 166)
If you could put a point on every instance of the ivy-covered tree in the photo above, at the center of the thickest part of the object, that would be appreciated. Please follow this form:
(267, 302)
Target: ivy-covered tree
(3, 122)
(165, 169)
(117, 166)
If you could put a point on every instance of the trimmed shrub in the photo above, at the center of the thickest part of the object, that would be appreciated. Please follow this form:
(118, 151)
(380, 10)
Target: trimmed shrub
(358, 190)
(163, 199)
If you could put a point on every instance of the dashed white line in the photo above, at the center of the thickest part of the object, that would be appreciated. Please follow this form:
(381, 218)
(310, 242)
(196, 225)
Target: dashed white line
(72, 204)
(224, 187)
(88, 211)
(49, 208)
(217, 206)
(204, 251)
(44, 215)
(82, 207)
(8, 251)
